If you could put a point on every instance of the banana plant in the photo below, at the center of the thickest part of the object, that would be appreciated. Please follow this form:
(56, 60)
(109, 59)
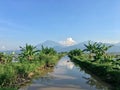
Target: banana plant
(96, 50)
(76, 52)
(91, 48)
(48, 51)
(28, 52)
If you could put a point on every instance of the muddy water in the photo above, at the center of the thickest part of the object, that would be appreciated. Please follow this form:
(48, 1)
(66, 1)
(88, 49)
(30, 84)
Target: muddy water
(67, 76)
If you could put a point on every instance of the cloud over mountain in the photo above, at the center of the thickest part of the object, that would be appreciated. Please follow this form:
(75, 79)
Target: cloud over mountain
(68, 42)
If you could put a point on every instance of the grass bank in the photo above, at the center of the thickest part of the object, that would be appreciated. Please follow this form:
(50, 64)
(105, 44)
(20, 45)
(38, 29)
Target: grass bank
(105, 71)
(29, 63)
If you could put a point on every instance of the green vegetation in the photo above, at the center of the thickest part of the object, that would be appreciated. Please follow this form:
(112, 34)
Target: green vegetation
(97, 50)
(103, 65)
(4, 58)
(30, 62)
(27, 53)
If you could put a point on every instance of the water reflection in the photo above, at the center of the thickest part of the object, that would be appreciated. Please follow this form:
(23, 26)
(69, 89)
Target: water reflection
(67, 75)
(93, 80)
(66, 63)
(45, 79)
(94, 83)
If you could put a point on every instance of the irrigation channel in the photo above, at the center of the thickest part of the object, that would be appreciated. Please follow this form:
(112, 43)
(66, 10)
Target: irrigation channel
(67, 76)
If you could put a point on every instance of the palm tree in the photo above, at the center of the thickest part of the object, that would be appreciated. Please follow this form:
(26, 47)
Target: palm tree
(28, 52)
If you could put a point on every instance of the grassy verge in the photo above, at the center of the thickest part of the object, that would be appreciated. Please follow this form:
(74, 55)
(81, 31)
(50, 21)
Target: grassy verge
(105, 71)
(13, 75)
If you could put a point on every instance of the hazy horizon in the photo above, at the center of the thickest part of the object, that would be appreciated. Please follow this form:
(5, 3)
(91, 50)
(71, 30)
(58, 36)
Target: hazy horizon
(68, 42)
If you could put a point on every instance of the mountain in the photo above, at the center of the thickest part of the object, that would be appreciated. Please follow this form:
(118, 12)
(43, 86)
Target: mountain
(11, 51)
(60, 48)
(76, 46)
(117, 44)
(50, 43)
(114, 48)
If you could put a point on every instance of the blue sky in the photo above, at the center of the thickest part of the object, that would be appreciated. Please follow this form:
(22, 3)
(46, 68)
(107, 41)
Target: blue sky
(34, 21)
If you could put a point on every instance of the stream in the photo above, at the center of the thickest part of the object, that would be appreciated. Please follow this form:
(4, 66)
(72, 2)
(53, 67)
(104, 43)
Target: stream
(67, 76)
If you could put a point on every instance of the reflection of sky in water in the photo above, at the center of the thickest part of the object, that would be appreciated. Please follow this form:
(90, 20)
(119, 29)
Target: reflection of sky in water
(66, 74)
(66, 67)
(67, 70)
(66, 63)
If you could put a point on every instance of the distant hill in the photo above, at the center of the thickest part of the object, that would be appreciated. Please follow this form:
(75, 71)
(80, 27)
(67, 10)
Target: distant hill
(60, 48)
(10, 51)
(78, 46)
(117, 44)
(50, 43)
(114, 48)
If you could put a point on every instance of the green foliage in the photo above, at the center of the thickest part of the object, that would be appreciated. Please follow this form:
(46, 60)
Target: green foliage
(27, 53)
(108, 70)
(30, 59)
(76, 52)
(97, 50)
(7, 75)
(5, 58)
(47, 51)
(104, 65)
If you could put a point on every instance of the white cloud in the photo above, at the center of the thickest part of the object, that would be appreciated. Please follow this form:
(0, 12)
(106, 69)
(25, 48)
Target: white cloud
(68, 42)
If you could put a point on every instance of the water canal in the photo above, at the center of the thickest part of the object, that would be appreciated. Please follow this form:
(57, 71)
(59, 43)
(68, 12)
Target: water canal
(67, 76)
